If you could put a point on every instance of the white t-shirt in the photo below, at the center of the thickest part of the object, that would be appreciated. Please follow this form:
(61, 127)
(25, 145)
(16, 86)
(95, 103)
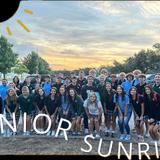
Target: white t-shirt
(92, 108)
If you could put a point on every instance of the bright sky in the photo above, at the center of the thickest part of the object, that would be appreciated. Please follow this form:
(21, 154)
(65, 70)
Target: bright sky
(77, 34)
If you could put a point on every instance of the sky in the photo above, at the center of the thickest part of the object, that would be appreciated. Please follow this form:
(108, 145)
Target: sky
(78, 34)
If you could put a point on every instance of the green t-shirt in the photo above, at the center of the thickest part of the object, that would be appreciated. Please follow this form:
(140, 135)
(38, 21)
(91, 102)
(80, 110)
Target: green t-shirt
(26, 104)
(156, 88)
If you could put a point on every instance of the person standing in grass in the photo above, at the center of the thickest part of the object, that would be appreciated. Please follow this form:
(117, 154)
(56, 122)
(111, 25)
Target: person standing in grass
(76, 105)
(26, 103)
(121, 100)
(93, 109)
(137, 103)
(51, 109)
(152, 104)
(11, 106)
(40, 107)
(110, 111)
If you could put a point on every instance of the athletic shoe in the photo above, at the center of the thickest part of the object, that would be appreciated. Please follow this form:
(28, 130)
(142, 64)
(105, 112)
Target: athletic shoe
(122, 137)
(49, 133)
(28, 133)
(8, 133)
(146, 135)
(112, 135)
(14, 133)
(127, 137)
(73, 133)
(142, 139)
(107, 134)
(79, 133)
(5, 133)
(97, 136)
(86, 131)
(62, 134)
(101, 128)
(53, 133)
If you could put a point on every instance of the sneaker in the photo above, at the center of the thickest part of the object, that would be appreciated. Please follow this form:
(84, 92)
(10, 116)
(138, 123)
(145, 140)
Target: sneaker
(106, 134)
(127, 137)
(28, 133)
(86, 131)
(73, 133)
(24, 133)
(49, 133)
(8, 133)
(146, 135)
(142, 138)
(62, 134)
(122, 137)
(5, 133)
(79, 133)
(53, 133)
(112, 135)
(97, 136)
(14, 133)
(101, 128)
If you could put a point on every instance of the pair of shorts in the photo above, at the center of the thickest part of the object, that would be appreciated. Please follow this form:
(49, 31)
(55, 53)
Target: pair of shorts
(9, 118)
(110, 113)
(93, 116)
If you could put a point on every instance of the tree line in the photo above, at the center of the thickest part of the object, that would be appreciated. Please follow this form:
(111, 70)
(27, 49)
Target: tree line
(11, 62)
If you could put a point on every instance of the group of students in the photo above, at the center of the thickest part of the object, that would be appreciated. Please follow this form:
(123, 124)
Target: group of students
(87, 101)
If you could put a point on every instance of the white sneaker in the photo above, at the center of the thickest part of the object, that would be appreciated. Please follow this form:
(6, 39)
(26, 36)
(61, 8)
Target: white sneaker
(62, 134)
(5, 133)
(24, 133)
(97, 136)
(101, 128)
(127, 137)
(8, 133)
(53, 133)
(146, 135)
(86, 131)
(49, 133)
(122, 137)
(78, 133)
(28, 133)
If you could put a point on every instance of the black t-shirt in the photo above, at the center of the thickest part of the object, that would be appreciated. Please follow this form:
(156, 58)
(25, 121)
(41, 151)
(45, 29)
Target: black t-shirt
(137, 104)
(140, 88)
(108, 100)
(12, 105)
(40, 102)
(76, 87)
(85, 89)
(26, 103)
(51, 105)
(114, 84)
(152, 106)
(82, 82)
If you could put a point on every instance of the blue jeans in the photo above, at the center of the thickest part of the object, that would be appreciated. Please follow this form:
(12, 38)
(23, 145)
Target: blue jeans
(124, 123)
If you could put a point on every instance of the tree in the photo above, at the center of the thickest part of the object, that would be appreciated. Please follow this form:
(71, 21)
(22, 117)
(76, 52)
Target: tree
(7, 56)
(20, 69)
(36, 64)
